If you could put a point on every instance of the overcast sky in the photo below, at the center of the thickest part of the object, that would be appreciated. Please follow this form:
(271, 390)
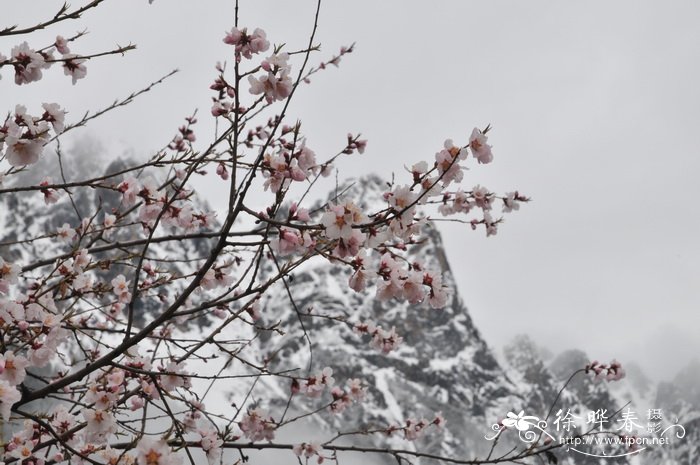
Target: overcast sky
(595, 107)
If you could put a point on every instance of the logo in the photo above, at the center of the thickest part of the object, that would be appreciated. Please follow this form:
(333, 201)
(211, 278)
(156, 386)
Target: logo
(595, 434)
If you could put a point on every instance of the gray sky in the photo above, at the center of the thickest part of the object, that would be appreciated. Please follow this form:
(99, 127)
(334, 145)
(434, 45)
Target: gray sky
(594, 107)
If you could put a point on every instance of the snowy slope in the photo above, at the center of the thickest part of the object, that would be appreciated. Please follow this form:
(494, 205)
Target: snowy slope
(443, 364)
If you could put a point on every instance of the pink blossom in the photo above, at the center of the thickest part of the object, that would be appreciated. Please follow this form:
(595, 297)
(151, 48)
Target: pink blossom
(61, 45)
(314, 385)
(341, 400)
(74, 67)
(149, 390)
(385, 341)
(272, 86)
(254, 310)
(100, 424)
(611, 372)
(81, 259)
(247, 44)
(13, 368)
(482, 197)
(66, 233)
(221, 171)
(54, 115)
(211, 445)
(339, 219)
(306, 159)
(21, 152)
(129, 188)
(438, 292)
(460, 153)
(389, 289)
(136, 403)
(173, 379)
(43, 352)
(354, 143)
(439, 420)
(491, 225)
(152, 452)
(308, 450)
(220, 108)
(50, 195)
(448, 167)
(109, 221)
(351, 245)
(414, 428)
(359, 279)
(303, 215)
(28, 63)
(217, 277)
(41, 355)
(391, 286)
(480, 149)
(101, 398)
(401, 198)
(357, 389)
(615, 371)
(83, 282)
(120, 288)
(275, 61)
(9, 272)
(413, 289)
(256, 425)
(148, 213)
(511, 202)
(21, 449)
(62, 419)
(288, 241)
(115, 379)
(9, 395)
(418, 170)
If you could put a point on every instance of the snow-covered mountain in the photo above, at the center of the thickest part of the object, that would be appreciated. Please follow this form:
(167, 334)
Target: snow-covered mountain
(25, 215)
(443, 365)
(540, 377)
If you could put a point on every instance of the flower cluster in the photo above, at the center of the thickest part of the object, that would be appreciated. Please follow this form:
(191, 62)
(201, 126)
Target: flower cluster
(413, 284)
(155, 452)
(289, 164)
(339, 222)
(257, 425)
(355, 144)
(308, 450)
(217, 277)
(211, 443)
(247, 45)
(611, 372)
(355, 391)
(29, 63)
(9, 272)
(25, 136)
(413, 428)
(136, 308)
(314, 385)
(277, 83)
(158, 203)
(382, 340)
